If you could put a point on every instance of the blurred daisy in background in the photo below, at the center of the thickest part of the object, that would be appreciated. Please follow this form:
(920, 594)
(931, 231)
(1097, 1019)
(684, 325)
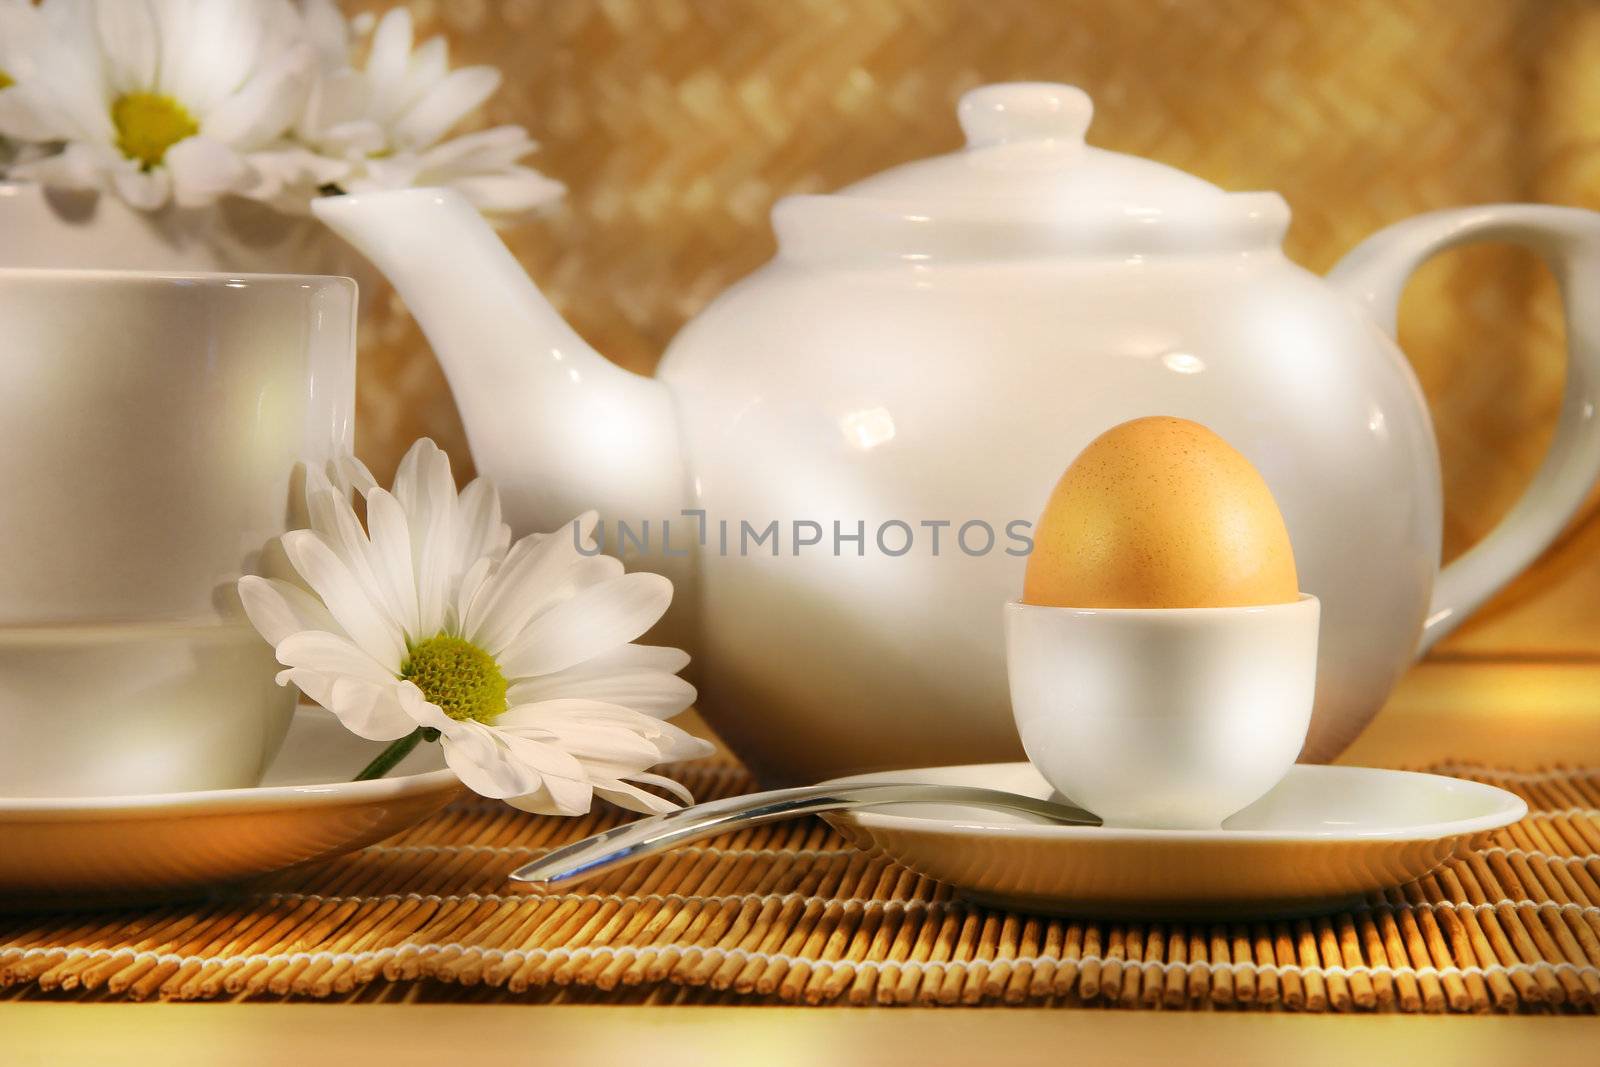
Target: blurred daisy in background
(389, 121)
(186, 101)
(161, 101)
(22, 36)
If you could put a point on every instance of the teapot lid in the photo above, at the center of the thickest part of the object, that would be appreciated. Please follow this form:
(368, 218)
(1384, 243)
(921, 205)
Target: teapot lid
(1026, 182)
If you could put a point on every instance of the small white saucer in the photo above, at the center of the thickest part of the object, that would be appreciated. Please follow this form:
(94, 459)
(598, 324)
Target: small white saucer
(79, 850)
(1322, 838)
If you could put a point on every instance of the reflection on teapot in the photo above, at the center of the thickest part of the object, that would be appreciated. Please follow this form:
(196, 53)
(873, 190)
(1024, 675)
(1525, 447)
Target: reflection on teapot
(933, 345)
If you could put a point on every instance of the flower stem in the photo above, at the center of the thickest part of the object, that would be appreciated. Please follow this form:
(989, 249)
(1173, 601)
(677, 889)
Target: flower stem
(397, 751)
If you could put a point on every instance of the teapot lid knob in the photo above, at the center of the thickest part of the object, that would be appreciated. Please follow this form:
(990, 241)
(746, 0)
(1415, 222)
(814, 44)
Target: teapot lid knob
(1024, 111)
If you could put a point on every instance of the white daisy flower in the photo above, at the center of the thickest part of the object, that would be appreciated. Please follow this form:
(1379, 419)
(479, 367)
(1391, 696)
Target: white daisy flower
(519, 659)
(386, 122)
(22, 36)
(162, 100)
(22, 32)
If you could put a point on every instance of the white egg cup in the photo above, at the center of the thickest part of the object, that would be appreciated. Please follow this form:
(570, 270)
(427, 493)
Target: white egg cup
(1170, 718)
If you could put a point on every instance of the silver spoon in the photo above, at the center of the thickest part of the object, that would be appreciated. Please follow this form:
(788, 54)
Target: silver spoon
(634, 841)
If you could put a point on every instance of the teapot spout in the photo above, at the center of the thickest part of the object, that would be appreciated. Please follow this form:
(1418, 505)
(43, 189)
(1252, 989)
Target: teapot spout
(557, 427)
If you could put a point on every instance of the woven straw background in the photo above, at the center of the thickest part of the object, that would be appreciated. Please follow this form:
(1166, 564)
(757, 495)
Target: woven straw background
(677, 123)
(789, 912)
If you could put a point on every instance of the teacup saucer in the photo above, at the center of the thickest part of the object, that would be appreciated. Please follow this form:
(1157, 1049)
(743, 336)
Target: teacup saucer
(57, 851)
(1319, 841)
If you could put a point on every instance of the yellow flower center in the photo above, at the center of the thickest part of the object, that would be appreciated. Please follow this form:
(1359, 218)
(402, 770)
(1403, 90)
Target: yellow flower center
(148, 124)
(5, 80)
(461, 678)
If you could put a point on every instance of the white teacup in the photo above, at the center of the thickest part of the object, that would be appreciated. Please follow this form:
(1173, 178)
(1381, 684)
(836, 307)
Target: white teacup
(137, 708)
(1173, 718)
(152, 425)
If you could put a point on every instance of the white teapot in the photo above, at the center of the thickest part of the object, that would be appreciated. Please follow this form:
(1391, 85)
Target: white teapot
(926, 353)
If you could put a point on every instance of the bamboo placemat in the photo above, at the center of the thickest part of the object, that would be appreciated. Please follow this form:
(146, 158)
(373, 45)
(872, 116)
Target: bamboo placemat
(790, 912)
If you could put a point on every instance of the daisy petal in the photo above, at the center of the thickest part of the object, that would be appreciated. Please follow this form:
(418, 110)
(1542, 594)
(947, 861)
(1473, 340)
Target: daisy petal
(473, 751)
(25, 116)
(145, 190)
(484, 766)
(365, 709)
(558, 797)
(334, 520)
(349, 473)
(399, 171)
(472, 583)
(277, 608)
(632, 798)
(391, 558)
(653, 692)
(368, 710)
(266, 105)
(433, 545)
(334, 117)
(130, 45)
(541, 756)
(609, 747)
(493, 615)
(211, 48)
(514, 191)
(595, 620)
(661, 781)
(602, 734)
(637, 657)
(572, 796)
(483, 531)
(328, 576)
(387, 58)
(204, 169)
(326, 28)
(482, 150)
(333, 655)
(427, 493)
(314, 685)
(549, 574)
(74, 167)
(429, 64)
(681, 746)
(422, 469)
(447, 103)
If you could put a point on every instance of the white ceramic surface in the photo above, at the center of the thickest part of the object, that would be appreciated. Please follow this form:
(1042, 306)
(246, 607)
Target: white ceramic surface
(62, 230)
(153, 427)
(1171, 718)
(1320, 839)
(137, 708)
(79, 850)
(935, 344)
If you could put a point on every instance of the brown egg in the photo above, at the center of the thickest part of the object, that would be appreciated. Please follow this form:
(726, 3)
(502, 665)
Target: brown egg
(1160, 513)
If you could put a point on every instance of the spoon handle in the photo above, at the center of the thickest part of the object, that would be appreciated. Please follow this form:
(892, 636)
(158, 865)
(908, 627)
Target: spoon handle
(633, 841)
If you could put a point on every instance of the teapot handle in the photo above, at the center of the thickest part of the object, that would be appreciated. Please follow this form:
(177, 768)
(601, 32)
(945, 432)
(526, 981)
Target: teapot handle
(1568, 239)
